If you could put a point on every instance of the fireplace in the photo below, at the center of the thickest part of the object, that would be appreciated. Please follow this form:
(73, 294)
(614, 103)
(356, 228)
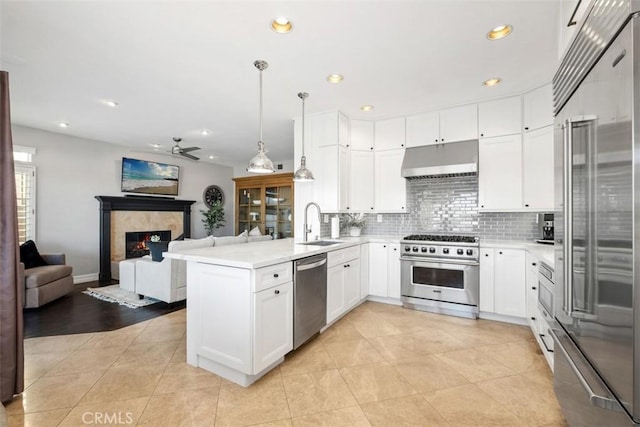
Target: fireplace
(135, 242)
(124, 205)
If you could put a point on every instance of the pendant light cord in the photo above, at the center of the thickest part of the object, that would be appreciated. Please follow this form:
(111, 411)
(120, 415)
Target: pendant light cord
(303, 126)
(260, 107)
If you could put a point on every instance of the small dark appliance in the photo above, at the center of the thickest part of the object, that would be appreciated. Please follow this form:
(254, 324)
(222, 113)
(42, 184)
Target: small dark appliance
(545, 227)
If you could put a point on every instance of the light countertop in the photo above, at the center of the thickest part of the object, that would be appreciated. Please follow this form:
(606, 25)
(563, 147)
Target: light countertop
(542, 251)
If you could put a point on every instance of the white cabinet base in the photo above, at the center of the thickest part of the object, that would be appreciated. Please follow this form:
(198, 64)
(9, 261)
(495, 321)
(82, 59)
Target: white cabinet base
(230, 374)
(384, 300)
(503, 318)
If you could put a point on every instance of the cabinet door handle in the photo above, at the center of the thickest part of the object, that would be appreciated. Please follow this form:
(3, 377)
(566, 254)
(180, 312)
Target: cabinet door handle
(534, 288)
(534, 264)
(526, 128)
(482, 134)
(533, 318)
(545, 343)
(277, 292)
(486, 254)
(500, 252)
(526, 205)
(275, 275)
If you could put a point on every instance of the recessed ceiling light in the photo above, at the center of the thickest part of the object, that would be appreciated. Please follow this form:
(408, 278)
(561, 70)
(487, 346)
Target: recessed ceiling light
(205, 132)
(155, 145)
(281, 25)
(111, 103)
(335, 78)
(63, 124)
(492, 82)
(367, 108)
(499, 32)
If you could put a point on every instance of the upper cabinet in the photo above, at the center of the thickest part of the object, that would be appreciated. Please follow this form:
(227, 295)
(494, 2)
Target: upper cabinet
(538, 108)
(390, 186)
(537, 163)
(362, 135)
(500, 173)
(423, 129)
(330, 128)
(459, 123)
(389, 134)
(500, 117)
(438, 127)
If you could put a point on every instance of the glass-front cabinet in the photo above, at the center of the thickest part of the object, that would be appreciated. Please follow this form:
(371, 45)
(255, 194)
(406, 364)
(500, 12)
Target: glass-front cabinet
(265, 202)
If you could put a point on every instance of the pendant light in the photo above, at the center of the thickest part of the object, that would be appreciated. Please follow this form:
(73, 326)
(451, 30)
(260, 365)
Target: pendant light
(303, 174)
(260, 163)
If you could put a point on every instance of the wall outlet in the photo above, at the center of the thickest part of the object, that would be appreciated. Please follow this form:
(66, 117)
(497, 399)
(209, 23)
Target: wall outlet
(325, 218)
(379, 218)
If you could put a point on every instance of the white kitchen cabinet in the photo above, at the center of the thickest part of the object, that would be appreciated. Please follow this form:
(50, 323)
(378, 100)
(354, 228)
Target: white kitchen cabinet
(361, 179)
(273, 325)
(331, 172)
(393, 270)
(423, 129)
(502, 282)
(364, 270)
(437, 127)
(384, 269)
(487, 274)
(509, 282)
(343, 281)
(500, 173)
(390, 187)
(325, 129)
(500, 117)
(538, 108)
(389, 134)
(236, 329)
(531, 277)
(537, 169)
(361, 135)
(459, 123)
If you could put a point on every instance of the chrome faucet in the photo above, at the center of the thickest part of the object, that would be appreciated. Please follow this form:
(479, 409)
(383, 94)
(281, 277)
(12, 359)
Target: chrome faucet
(306, 226)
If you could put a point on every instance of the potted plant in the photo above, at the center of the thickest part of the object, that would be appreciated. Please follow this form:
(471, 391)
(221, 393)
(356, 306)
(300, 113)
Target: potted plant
(157, 247)
(355, 223)
(213, 218)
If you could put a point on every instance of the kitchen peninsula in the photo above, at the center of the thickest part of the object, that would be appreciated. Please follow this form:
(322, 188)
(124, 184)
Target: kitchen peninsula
(240, 305)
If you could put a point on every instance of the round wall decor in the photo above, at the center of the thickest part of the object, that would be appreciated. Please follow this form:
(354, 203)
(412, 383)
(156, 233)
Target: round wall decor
(212, 194)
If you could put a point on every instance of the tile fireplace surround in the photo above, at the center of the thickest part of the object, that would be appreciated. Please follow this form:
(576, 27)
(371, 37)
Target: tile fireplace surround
(146, 206)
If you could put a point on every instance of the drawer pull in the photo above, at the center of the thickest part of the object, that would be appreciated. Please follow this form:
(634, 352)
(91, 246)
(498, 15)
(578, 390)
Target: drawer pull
(277, 292)
(544, 343)
(534, 288)
(275, 275)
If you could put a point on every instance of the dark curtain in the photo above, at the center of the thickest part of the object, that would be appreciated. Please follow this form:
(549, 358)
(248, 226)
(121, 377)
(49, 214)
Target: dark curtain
(11, 327)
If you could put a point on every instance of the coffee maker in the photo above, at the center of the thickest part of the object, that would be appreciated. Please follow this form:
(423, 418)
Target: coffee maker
(545, 228)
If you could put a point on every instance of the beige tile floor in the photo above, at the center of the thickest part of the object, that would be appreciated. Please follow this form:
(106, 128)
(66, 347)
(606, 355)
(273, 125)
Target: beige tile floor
(381, 365)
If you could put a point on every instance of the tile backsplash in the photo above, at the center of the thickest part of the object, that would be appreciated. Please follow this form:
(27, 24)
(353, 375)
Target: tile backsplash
(449, 205)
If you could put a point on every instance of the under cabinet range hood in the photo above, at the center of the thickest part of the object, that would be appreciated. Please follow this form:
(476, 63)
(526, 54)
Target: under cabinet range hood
(452, 158)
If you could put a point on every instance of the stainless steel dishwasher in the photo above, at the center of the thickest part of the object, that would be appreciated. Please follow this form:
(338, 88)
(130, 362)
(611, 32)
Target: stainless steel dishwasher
(309, 297)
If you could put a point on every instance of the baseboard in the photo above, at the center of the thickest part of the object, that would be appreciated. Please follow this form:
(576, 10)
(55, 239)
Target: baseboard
(84, 278)
(384, 300)
(503, 318)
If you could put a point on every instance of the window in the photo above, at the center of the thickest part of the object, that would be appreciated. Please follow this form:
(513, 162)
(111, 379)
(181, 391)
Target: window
(25, 193)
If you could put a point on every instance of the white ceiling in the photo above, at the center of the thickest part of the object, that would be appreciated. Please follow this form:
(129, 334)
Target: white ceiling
(176, 67)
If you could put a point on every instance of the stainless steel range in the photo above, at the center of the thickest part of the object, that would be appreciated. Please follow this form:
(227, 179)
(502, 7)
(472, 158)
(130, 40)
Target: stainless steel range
(440, 274)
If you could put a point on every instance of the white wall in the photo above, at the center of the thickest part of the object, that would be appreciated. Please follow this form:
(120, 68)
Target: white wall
(72, 171)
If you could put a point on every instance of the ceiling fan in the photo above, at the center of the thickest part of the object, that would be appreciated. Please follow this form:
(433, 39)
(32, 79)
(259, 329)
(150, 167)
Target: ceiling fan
(177, 150)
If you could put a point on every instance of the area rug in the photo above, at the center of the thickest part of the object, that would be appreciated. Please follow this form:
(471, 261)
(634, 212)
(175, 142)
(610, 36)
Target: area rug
(114, 293)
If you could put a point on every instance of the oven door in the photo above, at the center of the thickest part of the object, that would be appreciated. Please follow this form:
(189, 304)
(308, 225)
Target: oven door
(439, 280)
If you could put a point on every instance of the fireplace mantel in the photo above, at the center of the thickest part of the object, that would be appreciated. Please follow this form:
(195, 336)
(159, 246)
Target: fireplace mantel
(134, 203)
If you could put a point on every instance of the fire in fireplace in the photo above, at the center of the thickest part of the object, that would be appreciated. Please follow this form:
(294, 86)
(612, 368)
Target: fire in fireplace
(135, 242)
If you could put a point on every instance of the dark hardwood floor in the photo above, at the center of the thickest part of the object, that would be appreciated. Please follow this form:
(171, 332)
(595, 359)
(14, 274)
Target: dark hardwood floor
(78, 313)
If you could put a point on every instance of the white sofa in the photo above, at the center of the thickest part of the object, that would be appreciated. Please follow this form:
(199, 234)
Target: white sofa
(167, 280)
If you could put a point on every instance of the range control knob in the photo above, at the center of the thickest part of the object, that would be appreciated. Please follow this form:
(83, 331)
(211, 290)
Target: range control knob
(469, 252)
(432, 250)
(415, 249)
(407, 248)
(423, 249)
(460, 252)
(445, 250)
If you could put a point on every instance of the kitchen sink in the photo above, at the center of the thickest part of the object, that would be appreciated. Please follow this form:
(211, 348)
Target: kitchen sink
(321, 242)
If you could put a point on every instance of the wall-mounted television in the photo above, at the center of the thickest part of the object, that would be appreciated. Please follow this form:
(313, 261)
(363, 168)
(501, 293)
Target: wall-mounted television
(142, 176)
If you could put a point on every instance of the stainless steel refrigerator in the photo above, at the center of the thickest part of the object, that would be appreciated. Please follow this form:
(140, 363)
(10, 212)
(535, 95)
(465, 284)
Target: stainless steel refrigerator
(597, 227)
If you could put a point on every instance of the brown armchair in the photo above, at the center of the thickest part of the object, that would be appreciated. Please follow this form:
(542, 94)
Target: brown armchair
(48, 282)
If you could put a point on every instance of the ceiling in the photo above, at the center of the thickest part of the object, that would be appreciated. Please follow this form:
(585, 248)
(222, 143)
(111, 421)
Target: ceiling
(177, 67)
